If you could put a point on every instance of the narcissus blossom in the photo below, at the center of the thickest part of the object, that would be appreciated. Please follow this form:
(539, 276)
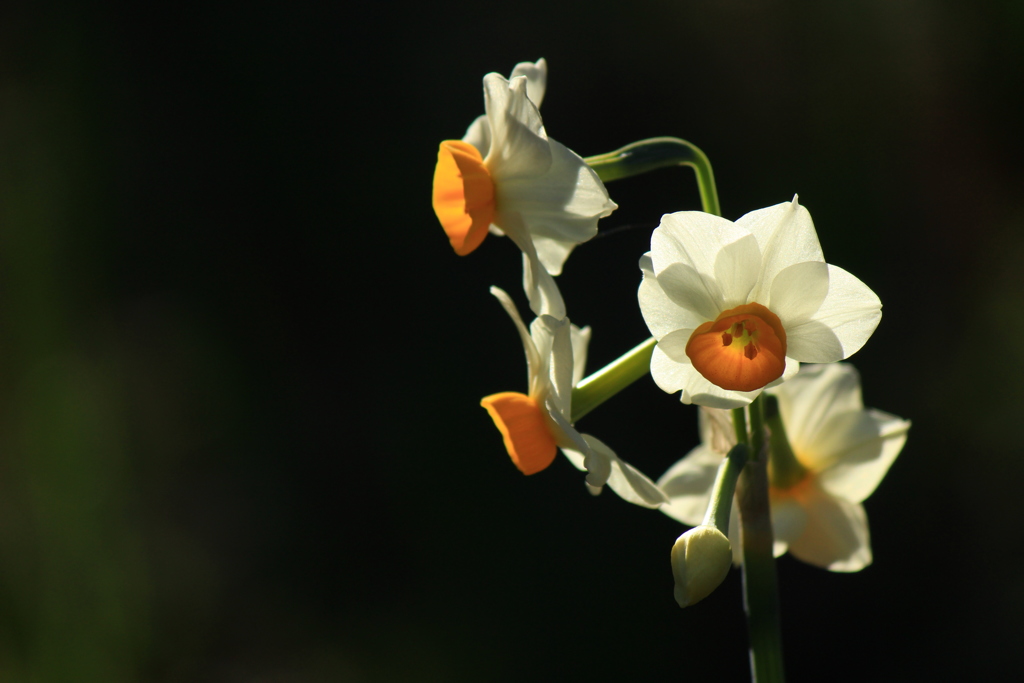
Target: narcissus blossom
(840, 452)
(509, 176)
(536, 424)
(736, 306)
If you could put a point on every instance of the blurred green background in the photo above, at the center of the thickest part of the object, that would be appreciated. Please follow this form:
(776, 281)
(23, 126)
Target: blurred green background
(240, 367)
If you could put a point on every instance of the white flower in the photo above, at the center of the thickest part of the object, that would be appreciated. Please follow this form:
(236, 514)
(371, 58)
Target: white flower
(736, 306)
(536, 74)
(842, 451)
(510, 175)
(534, 425)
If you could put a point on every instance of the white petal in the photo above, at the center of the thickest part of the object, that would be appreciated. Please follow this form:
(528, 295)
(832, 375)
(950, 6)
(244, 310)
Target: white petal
(788, 522)
(836, 536)
(536, 74)
(540, 287)
(535, 366)
(809, 400)
(479, 135)
(519, 144)
(688, 485)
(692, 244)
(630, 483)
(798, 291)
(561, 205)
(560, 364)
(580, 341)
(661, 314)
(844, 321)
(867, 452)
(674, 344)
(673, 376)
(785, 235)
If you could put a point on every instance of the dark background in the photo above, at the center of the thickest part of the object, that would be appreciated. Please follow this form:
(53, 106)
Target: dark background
(240, 366)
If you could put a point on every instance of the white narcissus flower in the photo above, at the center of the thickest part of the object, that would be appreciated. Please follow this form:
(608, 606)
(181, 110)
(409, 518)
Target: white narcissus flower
(842, 452)
(536, 424)
(737, 306)
(510, 176)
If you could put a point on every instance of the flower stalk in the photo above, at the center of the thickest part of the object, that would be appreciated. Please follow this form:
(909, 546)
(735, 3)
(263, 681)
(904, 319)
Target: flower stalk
(597, 388)
(760, 584)
(654, 153)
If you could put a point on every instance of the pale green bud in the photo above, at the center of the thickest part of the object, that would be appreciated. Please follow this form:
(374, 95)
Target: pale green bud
(700, 560)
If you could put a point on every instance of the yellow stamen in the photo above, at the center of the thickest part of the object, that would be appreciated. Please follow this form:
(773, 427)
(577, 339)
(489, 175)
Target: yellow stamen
(520, 419)
(463, 195)
(742, 350)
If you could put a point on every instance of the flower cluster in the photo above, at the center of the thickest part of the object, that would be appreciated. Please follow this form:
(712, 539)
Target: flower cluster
(734, 309)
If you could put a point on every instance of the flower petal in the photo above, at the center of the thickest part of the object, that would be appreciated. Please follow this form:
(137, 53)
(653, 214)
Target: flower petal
(524, 429)
(559, 207)
(535, 365)
(809, 400)
(836, 536)
(556, 335)
(536, 74)
(580, 338)
(692, 243)
(798, 291)
(785, 235)
(519, 144)
(479, 135)
(688, 485)
(844, 321)
(661, 314)
(868, 448)
(628, 482)
(672, 376)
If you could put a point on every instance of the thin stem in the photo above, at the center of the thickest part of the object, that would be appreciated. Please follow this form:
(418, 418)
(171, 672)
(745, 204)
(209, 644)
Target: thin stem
(594, 390)
(760, 586)
(739, 423)
(720, 506)
(784, 470)
(757, 433)
(649, 155)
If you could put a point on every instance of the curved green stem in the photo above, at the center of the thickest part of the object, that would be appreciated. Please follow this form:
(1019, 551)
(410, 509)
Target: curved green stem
(654, 153)
(594, 390)
(720, 507)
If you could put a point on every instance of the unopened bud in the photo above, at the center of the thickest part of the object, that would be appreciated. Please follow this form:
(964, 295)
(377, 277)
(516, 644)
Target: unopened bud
(700, 561)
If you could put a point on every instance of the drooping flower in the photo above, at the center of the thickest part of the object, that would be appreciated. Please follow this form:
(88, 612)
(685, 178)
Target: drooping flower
(737, 306)
(536, 424)
(840, 453)
(509, 176)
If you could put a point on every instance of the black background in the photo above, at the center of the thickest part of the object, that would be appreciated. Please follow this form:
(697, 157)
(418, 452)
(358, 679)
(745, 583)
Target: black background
(240, 366)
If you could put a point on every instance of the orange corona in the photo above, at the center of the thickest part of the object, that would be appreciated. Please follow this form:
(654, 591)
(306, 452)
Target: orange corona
(743, 349)
(524, 427)
(463, 195)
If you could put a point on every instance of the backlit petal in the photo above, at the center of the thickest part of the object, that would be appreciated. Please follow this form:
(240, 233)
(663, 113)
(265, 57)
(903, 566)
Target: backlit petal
(519, 144)
(536, 74)
(524, 429)
(688, 485)
(836, 536)
(785, 235)
(868, 452)
(842, 324)
(661, 314)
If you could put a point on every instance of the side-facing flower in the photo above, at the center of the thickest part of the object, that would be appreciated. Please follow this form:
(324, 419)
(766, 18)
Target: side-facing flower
(737, 306)
(840, 451)
(536, 424)
(524, 184)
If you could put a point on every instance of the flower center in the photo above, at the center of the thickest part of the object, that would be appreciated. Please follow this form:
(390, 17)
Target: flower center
(742, 350)
(524, 428)
(463, 195)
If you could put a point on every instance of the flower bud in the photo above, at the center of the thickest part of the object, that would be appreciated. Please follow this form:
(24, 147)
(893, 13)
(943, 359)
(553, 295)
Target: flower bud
(700, 560)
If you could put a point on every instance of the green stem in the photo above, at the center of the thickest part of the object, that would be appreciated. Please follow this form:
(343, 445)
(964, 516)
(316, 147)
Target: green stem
(594, 390)
(760, 585)
(649, 155)
(720, 506)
